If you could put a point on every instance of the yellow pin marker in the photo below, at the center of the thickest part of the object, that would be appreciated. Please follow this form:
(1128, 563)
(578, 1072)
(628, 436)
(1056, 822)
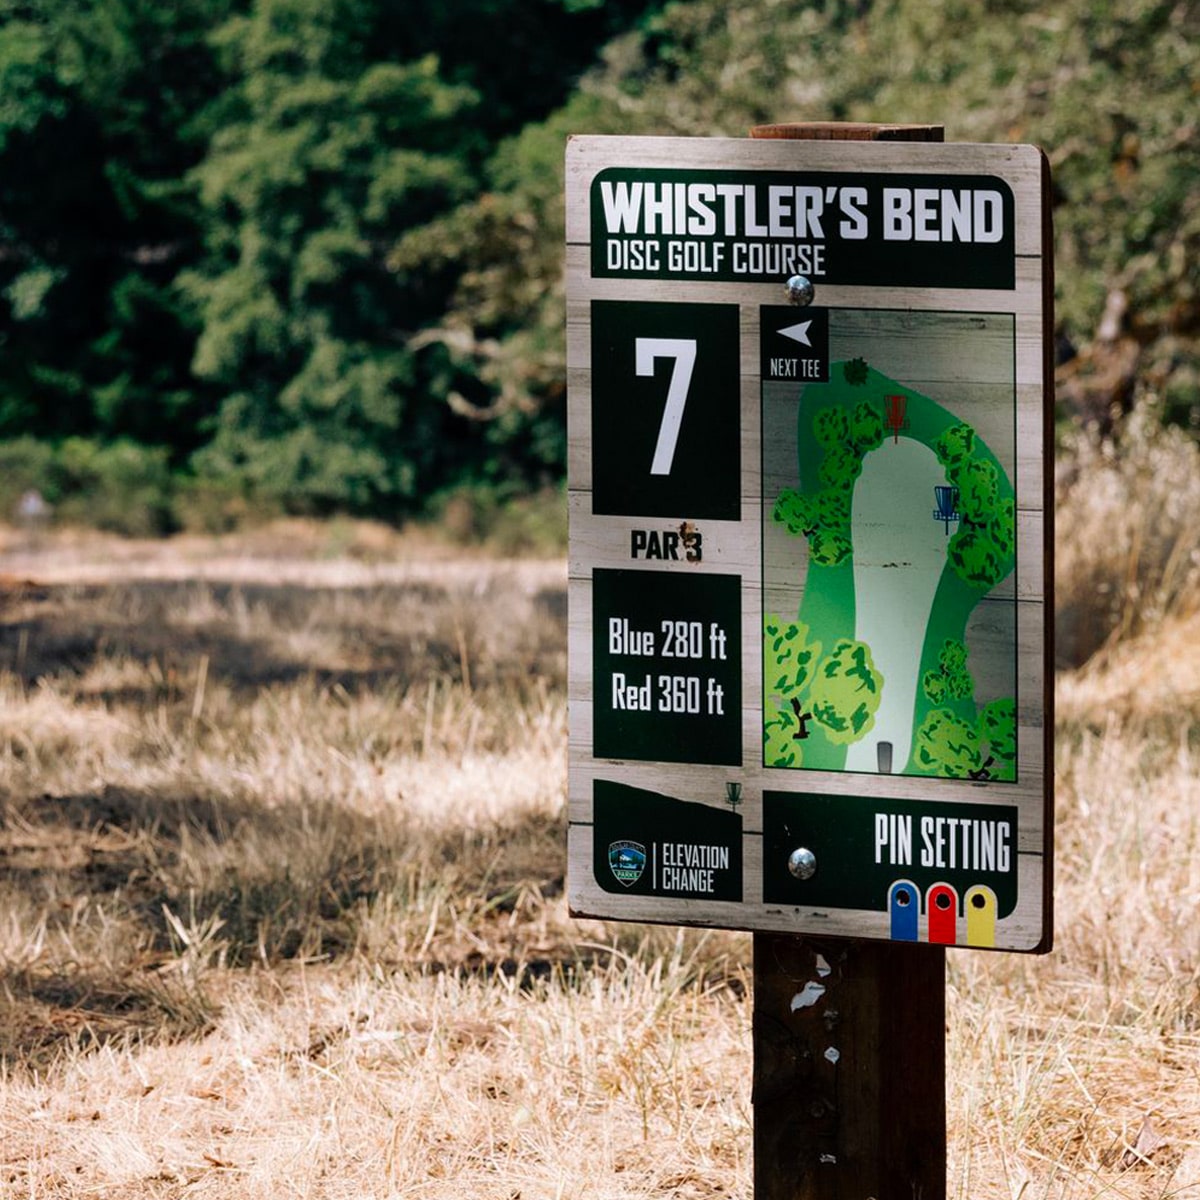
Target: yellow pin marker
(981, 916)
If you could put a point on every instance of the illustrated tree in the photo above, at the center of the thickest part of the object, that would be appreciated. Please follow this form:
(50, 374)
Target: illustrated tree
(951, 680)
(846, 435)
(982, 549)
(998, 729)
(947, 745)
(839, 693)
(846, 691)
(855, 371)
(962, 744)
(789, 663)
(866, 428)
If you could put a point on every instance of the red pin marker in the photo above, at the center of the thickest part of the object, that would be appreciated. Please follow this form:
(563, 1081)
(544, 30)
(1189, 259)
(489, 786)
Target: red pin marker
(941, 909)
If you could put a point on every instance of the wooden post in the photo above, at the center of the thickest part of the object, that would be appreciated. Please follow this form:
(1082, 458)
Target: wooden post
(850, 131)
(849, 1036)
(849, 1070)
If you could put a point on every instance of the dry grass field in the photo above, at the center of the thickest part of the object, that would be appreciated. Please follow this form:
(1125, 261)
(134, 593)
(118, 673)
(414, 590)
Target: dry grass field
(281, 887)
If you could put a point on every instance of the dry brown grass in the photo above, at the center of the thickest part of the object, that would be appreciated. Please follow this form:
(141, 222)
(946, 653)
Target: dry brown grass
(281, 904)
(1128, 544)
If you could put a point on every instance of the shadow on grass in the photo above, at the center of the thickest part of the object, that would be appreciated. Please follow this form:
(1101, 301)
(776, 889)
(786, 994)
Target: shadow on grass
(130, 905)
(141, 902)
(46, 1017)
(254, 635)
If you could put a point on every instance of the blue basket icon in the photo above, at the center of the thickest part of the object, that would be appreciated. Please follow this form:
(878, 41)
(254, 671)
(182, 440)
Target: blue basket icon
(947, 504)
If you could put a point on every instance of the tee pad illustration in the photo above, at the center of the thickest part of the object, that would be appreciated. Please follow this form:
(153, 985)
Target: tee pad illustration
(894, 523)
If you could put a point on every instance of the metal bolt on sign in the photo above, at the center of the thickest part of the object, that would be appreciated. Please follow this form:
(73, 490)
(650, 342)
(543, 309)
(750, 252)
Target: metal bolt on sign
(800, 291)
(802, 863)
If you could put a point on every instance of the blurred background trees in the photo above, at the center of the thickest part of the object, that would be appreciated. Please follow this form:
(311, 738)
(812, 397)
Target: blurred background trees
(262, 256)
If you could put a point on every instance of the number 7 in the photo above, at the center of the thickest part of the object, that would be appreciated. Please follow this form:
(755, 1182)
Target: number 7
(683, 351)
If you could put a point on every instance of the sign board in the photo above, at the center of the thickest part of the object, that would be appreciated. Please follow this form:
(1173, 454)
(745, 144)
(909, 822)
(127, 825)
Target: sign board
(810, 542)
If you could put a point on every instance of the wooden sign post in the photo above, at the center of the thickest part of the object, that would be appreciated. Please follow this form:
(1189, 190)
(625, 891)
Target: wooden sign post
(809, 579)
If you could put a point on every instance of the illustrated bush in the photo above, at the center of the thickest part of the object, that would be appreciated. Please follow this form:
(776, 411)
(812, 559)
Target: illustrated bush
(998, 728)
(953, 746)
(841, 466)
(955, 446)
(952, 680)
(833, 506)
(790, 658)
(855, 372)
(947, 746)
(830, 548)
(789, 663)
(866, 428)
(824, 518)
(978, 490)
(982, 548)
(846, 692)
(794, 510)
(977, 558)
(830, 427)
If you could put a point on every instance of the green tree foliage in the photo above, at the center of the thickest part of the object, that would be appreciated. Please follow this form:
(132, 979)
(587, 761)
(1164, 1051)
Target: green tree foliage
(951, 680)
(201, 209)
(855, 371)
(1109, 95)
(342, 306)
(789, 663)
(982, 549)
(791, 657)
(846, 691)
(830, 427)
(1108, 91)
(866, 428)
(998, 728)
(345, 192)
(96, 218)
(120, 485)
(840, 693)
(955, 744)
(322, 245)
(316, 156)
(846, 435)
(947, 745)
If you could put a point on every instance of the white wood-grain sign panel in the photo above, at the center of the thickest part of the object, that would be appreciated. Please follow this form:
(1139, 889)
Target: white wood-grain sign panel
(809, 577)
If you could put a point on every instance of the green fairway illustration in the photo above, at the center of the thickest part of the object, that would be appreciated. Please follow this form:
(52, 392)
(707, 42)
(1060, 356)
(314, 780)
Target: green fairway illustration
(889, 626)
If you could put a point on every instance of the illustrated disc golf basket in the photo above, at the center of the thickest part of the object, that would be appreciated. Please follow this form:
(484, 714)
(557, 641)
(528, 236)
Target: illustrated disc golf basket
(896, 407)
(947, 504)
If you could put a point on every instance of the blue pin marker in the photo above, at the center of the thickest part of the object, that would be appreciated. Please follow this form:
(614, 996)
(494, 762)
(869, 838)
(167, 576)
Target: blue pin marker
(904, 903)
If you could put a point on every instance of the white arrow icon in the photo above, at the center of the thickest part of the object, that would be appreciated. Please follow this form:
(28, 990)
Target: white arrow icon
(798, 333)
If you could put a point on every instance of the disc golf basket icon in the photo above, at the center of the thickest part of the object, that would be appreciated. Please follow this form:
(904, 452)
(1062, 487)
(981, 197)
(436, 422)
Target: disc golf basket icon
(896, 407)
(947, 504)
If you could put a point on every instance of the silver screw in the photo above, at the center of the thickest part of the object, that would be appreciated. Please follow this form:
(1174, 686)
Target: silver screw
(802, 863)
(800, 290)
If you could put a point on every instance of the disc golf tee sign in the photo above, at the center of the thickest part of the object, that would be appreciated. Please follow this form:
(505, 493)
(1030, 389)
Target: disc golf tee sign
(809, 541)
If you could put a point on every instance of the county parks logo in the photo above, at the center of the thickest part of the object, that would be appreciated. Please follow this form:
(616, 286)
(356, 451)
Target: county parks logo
(627, 861)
